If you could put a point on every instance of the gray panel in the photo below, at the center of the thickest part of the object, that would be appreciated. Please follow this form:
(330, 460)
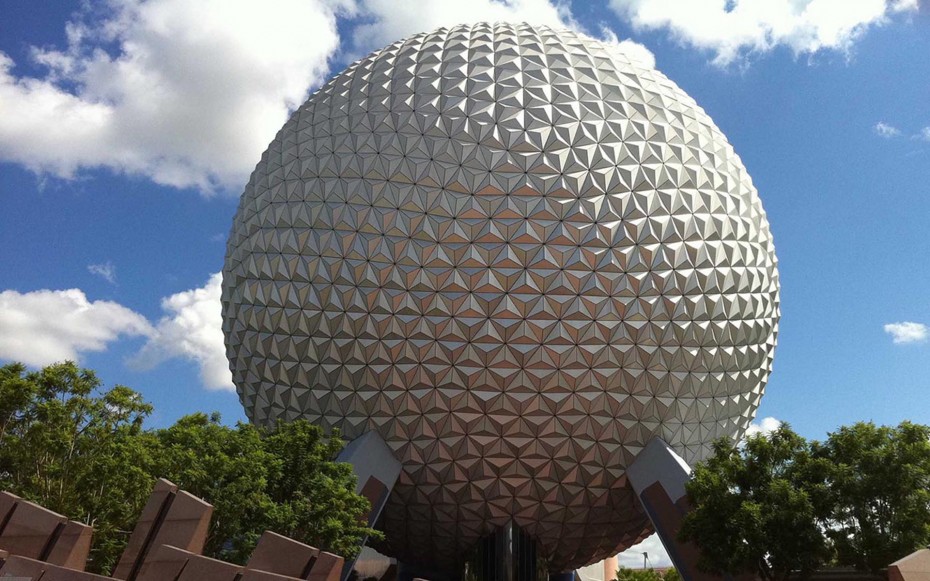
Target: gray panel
(659, 463)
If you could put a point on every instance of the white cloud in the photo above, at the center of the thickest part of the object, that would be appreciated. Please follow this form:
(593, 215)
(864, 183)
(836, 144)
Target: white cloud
(657, 555)
(106, 270)
(765, 426)
(733, 30)
(907, 332)
(885, 130)
(192, 329)
(386, 21)
(187, 94)
(924, 134)
(45, 326)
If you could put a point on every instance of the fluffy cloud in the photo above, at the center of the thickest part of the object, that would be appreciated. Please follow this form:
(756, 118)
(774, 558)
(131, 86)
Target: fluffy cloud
(191, 329)
(907, 332)
(631, 49)
(105, 270)
(765, 426)
(46, 326)
(733, 29)
(188, 94)
(185, 93)
(885, 130)
(924, 134)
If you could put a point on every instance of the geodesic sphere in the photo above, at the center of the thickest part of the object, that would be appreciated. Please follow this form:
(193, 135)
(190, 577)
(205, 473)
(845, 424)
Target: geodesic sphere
(518, 255)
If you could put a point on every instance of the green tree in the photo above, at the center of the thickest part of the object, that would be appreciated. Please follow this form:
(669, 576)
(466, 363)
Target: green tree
(626, 574)
(76, 449)
(314, 497)
(285, 481)
(759, 508)
(227, 467)
(880, 492)
(80, 450)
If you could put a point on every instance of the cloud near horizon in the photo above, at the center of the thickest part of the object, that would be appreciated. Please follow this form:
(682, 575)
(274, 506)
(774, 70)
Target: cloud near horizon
(46, 326)
(765, 426)
(632, 558)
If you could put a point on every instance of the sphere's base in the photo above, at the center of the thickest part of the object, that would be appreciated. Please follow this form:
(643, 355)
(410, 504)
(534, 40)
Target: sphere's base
(509, 553)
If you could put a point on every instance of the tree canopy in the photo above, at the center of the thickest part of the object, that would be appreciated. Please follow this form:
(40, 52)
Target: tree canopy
(757, 508)
(879, 492)
(774, 505)
(74, 447)
(779, 505)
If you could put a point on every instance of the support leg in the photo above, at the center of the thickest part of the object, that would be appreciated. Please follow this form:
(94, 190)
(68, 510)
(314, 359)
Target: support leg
(658, 476)
(377, 470)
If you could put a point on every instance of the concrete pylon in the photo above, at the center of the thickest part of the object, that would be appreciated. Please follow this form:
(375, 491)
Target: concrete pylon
(610, 568)
(658, 476)
(377, 470)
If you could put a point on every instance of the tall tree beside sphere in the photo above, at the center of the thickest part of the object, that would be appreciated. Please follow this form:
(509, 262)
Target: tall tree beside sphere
(880, 492)
(759, 508)
(779, 505)
(81, 450)
(76, 449)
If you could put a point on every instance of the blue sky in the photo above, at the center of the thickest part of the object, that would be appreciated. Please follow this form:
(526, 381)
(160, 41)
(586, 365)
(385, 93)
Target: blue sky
(128, 130)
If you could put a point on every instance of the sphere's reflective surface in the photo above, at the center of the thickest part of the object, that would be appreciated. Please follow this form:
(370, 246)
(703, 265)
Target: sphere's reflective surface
(518, 256)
